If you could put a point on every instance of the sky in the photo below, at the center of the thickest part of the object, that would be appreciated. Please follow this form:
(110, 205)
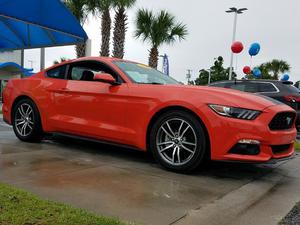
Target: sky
(272, 23)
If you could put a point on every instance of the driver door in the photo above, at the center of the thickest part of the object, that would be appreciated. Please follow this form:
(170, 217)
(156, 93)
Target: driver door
(92, 108)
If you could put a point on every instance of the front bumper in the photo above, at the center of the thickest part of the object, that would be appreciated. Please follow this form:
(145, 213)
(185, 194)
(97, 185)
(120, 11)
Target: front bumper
(225, 133)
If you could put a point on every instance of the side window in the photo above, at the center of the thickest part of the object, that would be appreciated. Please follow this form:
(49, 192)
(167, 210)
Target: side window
(85, 71)
(251, 87)
(266, 87)
(57, 73)
(219, 84)
(246, 87)
(239, 87)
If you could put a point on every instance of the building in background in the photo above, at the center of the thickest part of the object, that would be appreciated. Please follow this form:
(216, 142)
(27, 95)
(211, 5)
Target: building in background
(11, 56)
(11, 67)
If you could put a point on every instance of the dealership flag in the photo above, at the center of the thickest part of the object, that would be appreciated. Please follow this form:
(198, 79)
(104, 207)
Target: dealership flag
(166, 65)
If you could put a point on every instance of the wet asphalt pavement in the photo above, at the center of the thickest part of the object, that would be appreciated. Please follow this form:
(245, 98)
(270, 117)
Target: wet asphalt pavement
(114, 181)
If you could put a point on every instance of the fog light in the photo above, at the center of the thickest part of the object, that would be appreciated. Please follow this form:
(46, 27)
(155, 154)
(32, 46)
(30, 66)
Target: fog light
(246, 147)
(249, 142)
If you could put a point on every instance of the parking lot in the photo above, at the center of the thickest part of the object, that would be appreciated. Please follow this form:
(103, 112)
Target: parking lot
(129, 185)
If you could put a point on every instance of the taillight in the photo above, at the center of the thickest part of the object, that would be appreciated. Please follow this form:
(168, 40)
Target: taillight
(292, 99)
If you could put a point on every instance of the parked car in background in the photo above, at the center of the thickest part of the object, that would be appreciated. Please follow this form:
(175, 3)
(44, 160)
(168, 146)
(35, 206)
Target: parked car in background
(127, 103)
(283, 91)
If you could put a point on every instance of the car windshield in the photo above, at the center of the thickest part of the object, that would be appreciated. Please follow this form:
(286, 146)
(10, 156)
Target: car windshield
(143, 74)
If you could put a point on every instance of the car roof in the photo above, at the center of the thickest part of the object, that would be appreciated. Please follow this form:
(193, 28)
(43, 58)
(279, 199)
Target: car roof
(257, 80)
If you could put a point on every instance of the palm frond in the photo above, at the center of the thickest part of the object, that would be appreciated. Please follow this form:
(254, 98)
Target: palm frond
(179, 31)
(126, 4)
(143, 23)
(78, 9)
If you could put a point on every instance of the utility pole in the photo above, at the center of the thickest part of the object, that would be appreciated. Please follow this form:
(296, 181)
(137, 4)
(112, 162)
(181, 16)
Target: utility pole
(189, 75)
(236, 12)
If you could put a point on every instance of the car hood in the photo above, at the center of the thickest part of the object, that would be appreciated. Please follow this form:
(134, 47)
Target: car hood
(229, 97)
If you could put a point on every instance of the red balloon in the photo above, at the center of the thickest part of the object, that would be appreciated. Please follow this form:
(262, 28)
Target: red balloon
(237, 47)
(247, 70)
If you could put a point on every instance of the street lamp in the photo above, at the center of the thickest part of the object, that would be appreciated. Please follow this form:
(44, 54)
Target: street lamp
(236, 12)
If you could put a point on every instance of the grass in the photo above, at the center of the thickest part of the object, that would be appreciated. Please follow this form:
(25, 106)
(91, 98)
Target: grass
(18, 207)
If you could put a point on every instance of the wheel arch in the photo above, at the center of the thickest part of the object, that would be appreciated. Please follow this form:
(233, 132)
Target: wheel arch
(18, 99)
(179, 108)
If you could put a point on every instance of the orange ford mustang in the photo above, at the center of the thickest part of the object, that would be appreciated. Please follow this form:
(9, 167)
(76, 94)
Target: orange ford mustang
(127, 103)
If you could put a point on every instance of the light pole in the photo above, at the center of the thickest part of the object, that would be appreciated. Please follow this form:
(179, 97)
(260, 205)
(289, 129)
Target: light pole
(236, 12)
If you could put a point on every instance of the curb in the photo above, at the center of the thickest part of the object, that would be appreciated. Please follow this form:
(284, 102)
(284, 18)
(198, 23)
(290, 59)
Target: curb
(226, 209)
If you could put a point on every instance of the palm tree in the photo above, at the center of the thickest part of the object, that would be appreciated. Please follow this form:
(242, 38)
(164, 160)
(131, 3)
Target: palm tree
(79, 10)
(276, 67)
(265, 73)
(120, 26)
(62, 59)
(158, 29)
(102, 7)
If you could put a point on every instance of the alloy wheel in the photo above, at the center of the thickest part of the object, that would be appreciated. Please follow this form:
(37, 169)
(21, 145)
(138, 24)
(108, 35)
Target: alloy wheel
(176, 141)
(24, 119)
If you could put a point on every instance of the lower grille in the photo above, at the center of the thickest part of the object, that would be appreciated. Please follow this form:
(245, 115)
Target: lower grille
(277, 149)
(283, 121)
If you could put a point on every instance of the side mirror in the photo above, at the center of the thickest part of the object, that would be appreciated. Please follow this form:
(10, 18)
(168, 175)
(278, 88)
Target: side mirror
(105, 78)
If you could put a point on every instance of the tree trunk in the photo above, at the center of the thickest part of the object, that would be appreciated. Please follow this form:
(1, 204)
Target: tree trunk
(153, 57)
(80, 50)
(105, 32)
(120, 28)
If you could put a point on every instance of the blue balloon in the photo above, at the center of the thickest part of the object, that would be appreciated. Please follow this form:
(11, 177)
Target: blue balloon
(285, 77)
(256, 72)
(254, 49)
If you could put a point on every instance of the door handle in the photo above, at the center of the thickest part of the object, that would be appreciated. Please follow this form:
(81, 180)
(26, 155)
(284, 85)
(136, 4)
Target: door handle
(64, 89)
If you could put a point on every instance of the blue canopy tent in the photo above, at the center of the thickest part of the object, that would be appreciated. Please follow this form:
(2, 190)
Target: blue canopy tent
(37, 23)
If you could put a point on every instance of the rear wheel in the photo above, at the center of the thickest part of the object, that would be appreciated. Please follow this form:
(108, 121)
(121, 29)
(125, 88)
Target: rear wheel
(178, 141)
(26, 121)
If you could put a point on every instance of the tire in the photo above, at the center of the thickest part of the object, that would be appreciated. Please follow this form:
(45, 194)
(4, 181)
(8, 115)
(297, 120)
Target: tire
(178, 142)
(26, 121)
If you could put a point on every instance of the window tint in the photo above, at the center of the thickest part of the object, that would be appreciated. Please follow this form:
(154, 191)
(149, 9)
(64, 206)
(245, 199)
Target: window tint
(246, 87)
(218, 84)
(86, 70)
(266, 87)
(78, 72)
(58, 72)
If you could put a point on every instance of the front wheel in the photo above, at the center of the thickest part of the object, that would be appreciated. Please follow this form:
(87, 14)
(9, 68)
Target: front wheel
(26, 121)
(178, 141)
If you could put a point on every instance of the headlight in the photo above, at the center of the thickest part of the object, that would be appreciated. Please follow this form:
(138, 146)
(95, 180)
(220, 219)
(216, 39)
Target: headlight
(238, 113)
